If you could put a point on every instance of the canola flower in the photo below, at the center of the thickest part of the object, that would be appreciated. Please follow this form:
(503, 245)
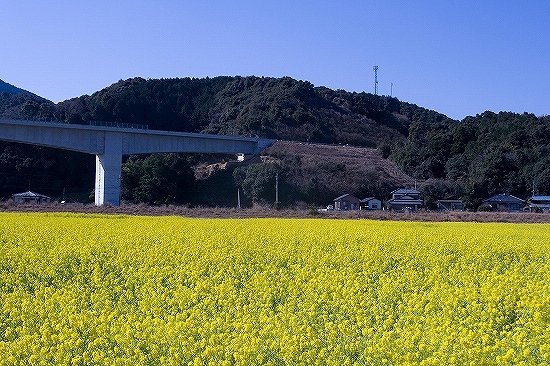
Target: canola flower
(80, 289)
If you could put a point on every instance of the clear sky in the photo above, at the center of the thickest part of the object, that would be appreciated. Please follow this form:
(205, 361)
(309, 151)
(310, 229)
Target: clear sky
(459, 58)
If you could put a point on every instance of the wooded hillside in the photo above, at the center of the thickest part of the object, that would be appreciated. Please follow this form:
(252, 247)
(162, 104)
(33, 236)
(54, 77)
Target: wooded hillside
(282, 108)
(479, 156)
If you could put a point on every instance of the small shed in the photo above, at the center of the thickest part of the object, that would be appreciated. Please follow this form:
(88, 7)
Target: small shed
(346, 202)
(504, 202)
(450, 205)
(30, 197)
(371, 203)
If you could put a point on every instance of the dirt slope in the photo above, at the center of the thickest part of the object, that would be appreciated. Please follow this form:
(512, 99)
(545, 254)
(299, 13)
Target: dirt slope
(332, 170)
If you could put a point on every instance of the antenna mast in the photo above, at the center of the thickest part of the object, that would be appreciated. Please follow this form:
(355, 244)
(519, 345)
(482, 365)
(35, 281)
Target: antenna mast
(375, 68)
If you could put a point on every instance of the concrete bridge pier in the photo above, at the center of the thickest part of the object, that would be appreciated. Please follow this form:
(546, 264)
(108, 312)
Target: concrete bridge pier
(108, 170)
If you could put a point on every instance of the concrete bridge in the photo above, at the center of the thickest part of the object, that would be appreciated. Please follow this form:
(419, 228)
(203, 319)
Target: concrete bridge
(108, 144)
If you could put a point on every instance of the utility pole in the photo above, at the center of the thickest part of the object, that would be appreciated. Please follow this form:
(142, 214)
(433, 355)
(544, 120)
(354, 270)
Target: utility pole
(276, 188)
(375, 68)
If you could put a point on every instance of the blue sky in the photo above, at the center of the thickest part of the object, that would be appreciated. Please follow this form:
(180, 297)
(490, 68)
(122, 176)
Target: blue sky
(459, 58)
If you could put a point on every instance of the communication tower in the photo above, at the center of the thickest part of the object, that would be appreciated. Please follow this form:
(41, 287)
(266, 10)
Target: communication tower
(375, 68)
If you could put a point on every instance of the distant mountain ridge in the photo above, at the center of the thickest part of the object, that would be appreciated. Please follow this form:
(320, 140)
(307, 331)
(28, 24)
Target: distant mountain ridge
(12, 89)
(19, 103)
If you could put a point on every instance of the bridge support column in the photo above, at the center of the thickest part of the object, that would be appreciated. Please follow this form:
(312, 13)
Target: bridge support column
(108, 171)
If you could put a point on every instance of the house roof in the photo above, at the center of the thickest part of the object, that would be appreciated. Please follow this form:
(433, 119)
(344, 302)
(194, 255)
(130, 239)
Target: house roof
(405, 200)
(540, 201)
(407, 203)
(540, 198)
(368, 199)
(504, 198)
(405, 191)
(449, 201)
(344, 196)
(29, 194)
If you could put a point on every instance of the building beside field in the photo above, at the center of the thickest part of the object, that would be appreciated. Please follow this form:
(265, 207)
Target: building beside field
(405, 199)
(450, 205)
(346, 202)
(541, 203)
(504, 202)
(30, 197)
(370, 203)
(349, 202)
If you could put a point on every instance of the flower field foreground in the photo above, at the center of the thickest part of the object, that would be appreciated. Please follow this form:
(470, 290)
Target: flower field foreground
(80, 289)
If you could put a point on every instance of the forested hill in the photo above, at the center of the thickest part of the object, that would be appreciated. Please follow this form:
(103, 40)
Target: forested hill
(10, 89)
(280, 108)
(485, 154)
(7, 90)
(470, 159)
(19, 103)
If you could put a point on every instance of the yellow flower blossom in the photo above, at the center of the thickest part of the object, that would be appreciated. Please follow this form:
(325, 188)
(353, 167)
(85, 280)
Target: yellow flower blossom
(121, 290)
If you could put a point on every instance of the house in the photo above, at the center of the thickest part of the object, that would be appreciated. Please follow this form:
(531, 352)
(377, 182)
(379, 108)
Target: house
(504, 202)
(346, 202)
(371, 203)
(30, 197)
(405, 199)
(539, 202)
(450, 205)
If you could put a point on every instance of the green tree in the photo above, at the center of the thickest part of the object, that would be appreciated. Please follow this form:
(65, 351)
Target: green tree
(132, 171)
(30, 109)
(158, 179)
(542, 182)
(257, 181)
(456, 167)
(436, 189)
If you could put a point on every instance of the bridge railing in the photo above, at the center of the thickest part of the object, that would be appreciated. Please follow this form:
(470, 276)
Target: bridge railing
(119, 125)
(37, 119)
(91, 123)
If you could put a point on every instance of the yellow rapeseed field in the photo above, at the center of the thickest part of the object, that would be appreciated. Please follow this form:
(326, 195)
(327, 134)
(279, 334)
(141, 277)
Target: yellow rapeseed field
(80, 289)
